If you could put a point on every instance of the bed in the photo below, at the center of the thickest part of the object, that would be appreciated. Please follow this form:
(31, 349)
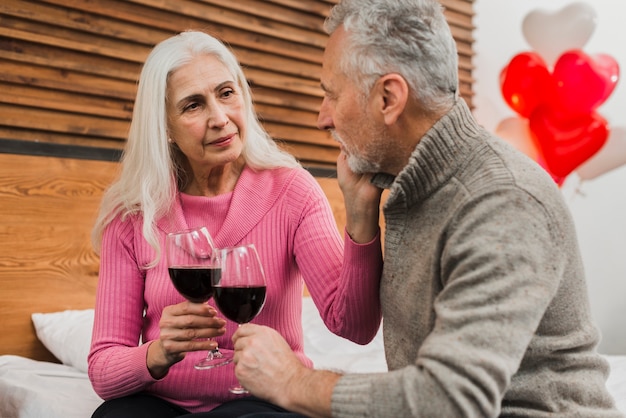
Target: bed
(48, 276)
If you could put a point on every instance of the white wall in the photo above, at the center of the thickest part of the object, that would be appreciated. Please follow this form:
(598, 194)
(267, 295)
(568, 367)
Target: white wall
(598, 205)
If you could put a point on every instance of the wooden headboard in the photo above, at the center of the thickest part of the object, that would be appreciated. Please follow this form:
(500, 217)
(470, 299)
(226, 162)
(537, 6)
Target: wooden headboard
(47, 209)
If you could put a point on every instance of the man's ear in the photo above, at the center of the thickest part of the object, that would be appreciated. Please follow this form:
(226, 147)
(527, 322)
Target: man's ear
(394, 91)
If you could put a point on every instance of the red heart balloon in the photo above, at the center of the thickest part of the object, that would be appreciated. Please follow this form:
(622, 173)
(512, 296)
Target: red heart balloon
(584, 82)
(557, 179)
(566, 141)
(526, 83)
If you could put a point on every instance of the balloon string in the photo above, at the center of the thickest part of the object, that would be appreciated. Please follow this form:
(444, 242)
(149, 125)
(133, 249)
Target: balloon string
(573, 188)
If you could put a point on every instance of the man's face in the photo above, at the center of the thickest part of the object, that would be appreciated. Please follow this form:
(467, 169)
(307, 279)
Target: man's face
(347, 114)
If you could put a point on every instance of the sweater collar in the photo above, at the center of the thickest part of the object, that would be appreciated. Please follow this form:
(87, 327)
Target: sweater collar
(436, 158)
(254, 195)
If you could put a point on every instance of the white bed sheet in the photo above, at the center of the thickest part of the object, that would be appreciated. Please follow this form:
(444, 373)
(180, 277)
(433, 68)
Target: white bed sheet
(616, 383)
(38, 389)
(34, 389)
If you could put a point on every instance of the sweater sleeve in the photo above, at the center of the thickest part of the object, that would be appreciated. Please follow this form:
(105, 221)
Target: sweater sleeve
(342, 277)
(118, 318)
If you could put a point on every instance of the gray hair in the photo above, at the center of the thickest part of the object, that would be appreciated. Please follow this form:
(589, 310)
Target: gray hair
(408, 37)
(152, 168)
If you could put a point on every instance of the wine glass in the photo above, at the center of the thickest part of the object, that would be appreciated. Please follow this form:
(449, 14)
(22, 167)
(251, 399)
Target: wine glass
(239, 288)
(192, 262)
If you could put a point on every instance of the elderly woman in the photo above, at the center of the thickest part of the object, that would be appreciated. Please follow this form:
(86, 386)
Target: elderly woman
(197, 155)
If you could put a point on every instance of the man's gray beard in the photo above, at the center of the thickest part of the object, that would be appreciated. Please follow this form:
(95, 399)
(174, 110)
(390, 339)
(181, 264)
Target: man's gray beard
(357, 164)
(362, 166)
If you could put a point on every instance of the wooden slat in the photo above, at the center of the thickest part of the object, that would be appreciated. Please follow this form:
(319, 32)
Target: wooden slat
(63, 138)
(29, 96)
(293, 134)
(287, 99)
(263, 78)
(278, 64)
(45, 119)
(302, 18)
(285, 116)
(457, 19)
(321, 8)
(29, 31)
(465, 63)
(47, 56)
(309, 154)
(465, 76)
(222, 16)
(46, 77)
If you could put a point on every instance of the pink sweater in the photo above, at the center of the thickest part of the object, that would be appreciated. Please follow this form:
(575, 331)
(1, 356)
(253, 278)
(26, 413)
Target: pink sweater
(286, 215)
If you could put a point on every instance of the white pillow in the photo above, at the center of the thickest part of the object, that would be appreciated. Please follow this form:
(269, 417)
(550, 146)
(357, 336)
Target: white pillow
(329, 351)
(66, 334)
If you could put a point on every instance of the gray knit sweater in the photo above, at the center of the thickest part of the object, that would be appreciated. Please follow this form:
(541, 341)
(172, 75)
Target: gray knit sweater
(483, 292)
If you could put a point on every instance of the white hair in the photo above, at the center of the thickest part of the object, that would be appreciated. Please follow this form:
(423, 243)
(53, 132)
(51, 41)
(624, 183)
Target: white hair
(151, 168)
(408, 37)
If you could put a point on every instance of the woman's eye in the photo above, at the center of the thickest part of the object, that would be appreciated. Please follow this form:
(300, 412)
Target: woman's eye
(192, 106)
(228, 92)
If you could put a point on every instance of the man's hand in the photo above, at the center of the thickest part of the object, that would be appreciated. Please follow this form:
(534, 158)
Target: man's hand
(362, 200)
(268, 368)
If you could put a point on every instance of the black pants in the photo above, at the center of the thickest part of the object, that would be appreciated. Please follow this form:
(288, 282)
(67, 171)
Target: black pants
(142, 405)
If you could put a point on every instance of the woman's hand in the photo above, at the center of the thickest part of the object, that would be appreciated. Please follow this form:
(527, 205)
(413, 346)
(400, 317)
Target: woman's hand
(183, 327)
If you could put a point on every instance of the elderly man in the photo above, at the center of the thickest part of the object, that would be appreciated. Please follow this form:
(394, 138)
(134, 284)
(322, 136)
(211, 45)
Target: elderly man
(483, 292)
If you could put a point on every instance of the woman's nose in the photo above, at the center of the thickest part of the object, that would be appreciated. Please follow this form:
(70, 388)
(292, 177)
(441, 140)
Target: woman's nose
(218, 118)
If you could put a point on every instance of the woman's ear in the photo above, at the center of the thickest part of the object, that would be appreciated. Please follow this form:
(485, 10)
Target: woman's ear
(394, 92)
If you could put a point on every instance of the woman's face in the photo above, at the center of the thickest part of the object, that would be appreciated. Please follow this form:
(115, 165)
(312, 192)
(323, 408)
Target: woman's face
(205, 111)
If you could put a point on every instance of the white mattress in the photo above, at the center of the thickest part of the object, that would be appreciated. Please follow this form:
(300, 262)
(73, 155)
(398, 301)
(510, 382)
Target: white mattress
(616, 382)
(34, 389)
(38, 389)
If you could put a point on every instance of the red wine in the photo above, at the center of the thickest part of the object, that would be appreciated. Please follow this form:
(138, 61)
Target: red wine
(194, 282)
(240, 304)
